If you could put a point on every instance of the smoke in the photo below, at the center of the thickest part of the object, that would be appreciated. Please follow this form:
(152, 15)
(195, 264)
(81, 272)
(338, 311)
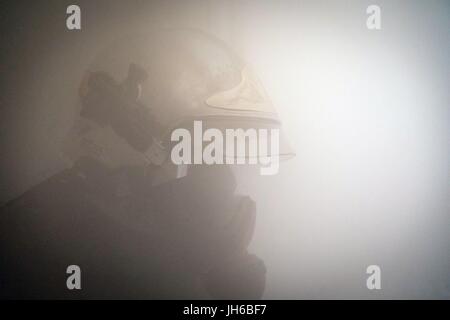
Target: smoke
(365, 110)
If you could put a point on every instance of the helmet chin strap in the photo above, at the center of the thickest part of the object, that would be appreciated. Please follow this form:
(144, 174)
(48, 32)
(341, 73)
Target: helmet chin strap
(88, 139)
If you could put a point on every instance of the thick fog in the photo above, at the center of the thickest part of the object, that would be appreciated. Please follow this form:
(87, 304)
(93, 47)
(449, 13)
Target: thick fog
(366, 112)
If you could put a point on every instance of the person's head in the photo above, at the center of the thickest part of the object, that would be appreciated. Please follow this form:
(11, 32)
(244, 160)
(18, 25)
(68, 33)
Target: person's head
(143, 87)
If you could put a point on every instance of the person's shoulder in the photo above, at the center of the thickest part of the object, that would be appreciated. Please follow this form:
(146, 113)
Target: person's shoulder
(45, 190)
